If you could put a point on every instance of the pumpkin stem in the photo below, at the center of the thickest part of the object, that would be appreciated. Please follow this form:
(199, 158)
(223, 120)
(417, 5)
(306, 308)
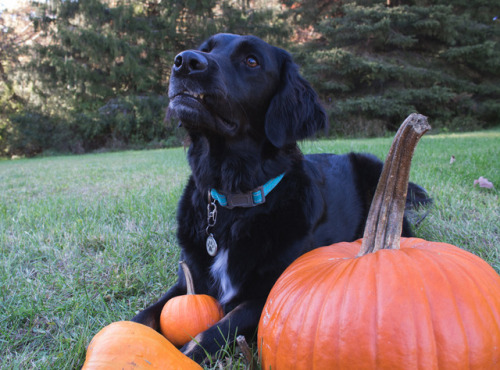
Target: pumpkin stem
(385, 218)
(188, 276)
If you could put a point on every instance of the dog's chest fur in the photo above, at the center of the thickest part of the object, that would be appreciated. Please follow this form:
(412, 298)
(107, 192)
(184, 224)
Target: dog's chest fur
(219, 271)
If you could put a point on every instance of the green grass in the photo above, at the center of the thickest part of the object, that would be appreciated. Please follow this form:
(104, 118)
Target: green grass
(87, 240)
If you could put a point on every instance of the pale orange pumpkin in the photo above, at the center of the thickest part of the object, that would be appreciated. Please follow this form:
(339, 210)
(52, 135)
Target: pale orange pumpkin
(129, 345)
(409, 304)
(185, 316)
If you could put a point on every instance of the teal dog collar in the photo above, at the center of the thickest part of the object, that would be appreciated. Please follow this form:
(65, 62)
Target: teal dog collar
(250, 199)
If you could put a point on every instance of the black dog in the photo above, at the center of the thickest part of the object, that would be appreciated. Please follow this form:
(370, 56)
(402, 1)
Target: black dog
(244, 106)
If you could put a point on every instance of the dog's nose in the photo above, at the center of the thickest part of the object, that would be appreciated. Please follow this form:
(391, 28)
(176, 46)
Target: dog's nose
(189, 62)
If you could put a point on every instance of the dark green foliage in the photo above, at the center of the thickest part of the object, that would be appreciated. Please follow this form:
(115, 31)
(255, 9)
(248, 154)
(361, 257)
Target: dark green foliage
(101, 81)
(130, 120)
(377, 64)
(30, 133)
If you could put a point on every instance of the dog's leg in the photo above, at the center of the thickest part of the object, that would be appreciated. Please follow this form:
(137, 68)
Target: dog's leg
(151, 315)
(243, 320)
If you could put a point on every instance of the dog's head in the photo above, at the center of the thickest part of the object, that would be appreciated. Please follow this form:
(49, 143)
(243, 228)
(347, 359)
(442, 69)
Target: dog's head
(240, 85)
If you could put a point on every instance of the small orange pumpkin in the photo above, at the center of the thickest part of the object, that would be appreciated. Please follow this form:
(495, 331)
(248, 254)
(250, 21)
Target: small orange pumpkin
(183, 317)
(377, 303)
(129, 345)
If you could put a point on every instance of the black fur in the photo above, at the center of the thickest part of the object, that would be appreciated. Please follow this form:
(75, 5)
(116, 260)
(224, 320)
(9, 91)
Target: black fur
(243, 132)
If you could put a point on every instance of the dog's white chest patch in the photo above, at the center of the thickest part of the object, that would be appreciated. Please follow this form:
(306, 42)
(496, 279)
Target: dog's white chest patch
(219, 272)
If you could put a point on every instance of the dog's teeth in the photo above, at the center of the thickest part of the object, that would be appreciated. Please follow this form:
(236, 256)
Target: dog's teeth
(193, 94)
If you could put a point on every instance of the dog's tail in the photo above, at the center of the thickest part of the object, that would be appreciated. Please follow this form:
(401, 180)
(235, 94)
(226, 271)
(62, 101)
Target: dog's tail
(417, 196)
(418, 204)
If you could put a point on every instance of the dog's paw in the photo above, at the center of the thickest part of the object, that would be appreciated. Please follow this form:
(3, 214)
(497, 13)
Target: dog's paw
(196, 350)
(148, 318)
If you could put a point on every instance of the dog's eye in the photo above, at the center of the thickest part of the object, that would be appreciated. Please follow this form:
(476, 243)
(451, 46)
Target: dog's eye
(251, 61)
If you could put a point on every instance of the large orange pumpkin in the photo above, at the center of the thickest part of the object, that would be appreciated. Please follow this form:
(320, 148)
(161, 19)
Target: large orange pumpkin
(185, 316)
(427, 305)
(381, 302)
(129, 345)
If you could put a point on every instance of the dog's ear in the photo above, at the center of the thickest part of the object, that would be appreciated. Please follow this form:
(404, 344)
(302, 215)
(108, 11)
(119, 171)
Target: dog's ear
(295, 111)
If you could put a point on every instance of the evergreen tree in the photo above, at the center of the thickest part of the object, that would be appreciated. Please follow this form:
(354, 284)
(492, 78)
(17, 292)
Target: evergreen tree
(105, 71)
(10, 48)
(102, 79)
(373, 64)
(100, 73)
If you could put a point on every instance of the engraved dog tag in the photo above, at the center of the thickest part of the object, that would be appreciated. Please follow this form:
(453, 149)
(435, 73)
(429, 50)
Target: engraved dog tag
(211, 245)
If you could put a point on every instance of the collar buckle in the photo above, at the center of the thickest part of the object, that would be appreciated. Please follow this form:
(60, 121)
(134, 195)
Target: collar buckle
(249, 199)
(246, 200)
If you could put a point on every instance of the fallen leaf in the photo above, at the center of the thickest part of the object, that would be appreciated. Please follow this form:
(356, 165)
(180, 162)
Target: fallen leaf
(483, 183)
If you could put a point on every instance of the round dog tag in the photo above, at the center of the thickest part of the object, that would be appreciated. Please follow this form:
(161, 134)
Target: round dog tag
(211, 245)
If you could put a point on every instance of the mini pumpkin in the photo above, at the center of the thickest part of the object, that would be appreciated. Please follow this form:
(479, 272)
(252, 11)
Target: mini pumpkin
(382, 302)
(185, 316)
(129, 345)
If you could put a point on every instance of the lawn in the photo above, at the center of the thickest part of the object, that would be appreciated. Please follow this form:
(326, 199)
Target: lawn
(87, 240)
